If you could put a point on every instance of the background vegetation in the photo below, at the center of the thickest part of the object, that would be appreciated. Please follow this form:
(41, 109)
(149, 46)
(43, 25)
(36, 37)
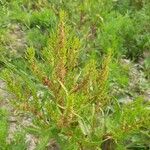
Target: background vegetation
(80, 70)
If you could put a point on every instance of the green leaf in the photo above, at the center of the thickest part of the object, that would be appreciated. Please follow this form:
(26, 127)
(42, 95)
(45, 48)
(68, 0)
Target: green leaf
(84, 127)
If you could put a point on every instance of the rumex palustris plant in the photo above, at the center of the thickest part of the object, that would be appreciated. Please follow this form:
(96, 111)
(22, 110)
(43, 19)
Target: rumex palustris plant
(60, 92)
